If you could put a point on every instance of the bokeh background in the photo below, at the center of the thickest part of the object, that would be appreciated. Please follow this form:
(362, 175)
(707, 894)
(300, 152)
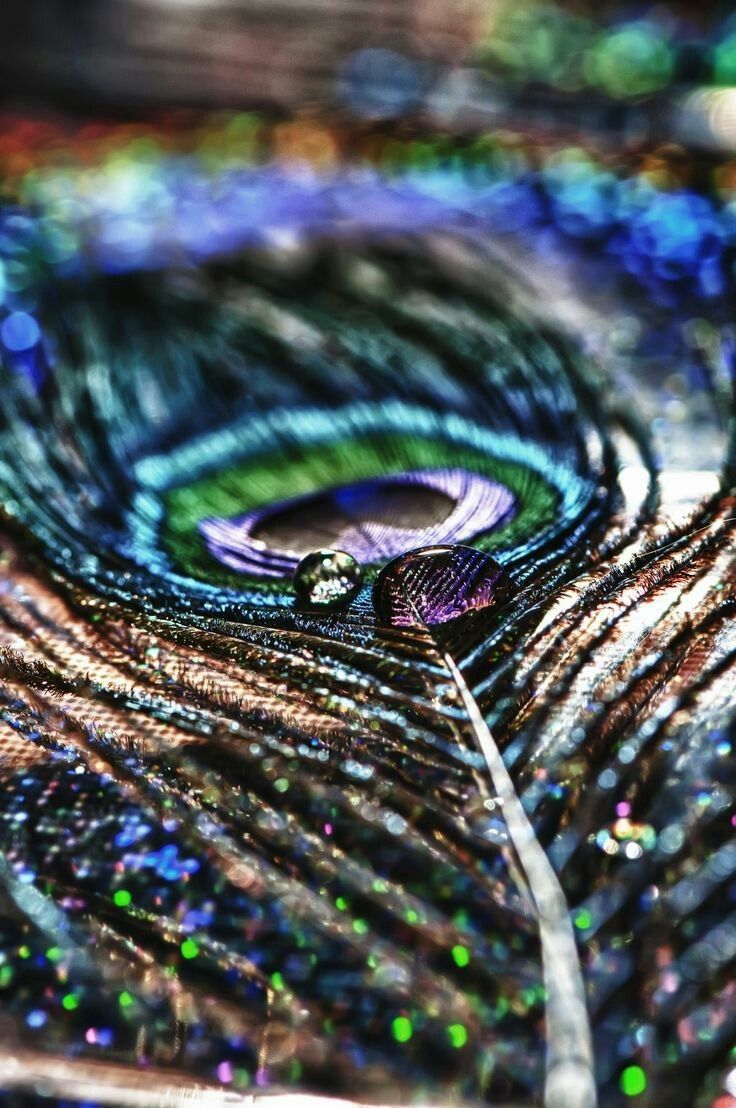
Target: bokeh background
(464, 59)
(593, 145)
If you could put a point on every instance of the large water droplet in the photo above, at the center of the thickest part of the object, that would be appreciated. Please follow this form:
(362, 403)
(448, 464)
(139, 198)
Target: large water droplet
(435, 584)
(327, 578)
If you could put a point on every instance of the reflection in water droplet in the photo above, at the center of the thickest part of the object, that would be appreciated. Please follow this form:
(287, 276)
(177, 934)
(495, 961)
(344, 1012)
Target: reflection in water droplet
(327, 579)
(435, 584)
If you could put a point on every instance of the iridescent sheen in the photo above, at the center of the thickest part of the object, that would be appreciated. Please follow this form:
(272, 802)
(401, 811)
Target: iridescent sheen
(259, 845)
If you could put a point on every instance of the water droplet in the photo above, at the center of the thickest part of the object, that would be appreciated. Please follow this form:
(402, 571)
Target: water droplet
(327, 579)
(435, 584)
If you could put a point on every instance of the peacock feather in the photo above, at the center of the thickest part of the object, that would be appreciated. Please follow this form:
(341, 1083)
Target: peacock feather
(250, 846)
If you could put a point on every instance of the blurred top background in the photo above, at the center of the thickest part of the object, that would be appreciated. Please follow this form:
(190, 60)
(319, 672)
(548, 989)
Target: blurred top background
(463, 63)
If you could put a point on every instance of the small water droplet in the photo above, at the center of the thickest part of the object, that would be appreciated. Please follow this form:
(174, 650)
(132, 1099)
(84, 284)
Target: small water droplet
(435, 584)
(326, 579)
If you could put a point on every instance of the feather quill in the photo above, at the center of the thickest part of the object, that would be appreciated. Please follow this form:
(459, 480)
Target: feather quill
(569, 1079)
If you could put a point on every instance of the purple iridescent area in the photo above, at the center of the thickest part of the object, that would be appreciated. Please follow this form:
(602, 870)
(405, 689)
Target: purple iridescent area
(368, 520)
(435, 584)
